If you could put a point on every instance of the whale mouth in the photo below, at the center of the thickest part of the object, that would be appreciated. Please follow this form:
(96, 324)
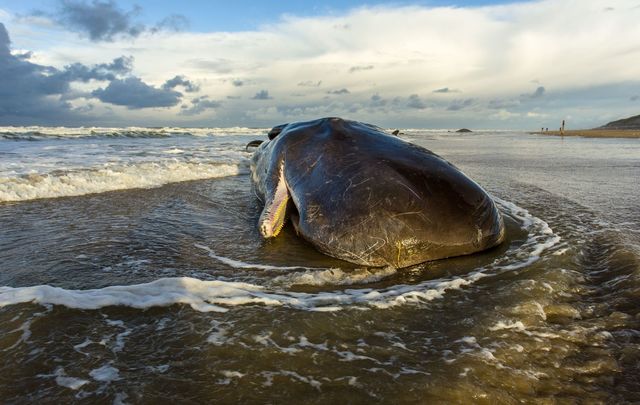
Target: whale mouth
(274, 215)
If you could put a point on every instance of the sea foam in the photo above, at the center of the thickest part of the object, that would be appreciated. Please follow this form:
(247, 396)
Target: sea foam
(109, 178)
(36, 133)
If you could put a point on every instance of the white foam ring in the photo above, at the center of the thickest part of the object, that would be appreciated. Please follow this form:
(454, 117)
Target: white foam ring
(219, 296)
(248, 266)
(110, 178)
(310, 276)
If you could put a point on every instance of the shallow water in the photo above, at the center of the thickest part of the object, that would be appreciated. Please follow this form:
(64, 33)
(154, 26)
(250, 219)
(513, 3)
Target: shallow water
(169, 293)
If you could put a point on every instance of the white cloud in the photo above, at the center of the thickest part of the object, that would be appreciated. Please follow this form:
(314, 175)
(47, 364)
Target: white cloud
(533, 114)
(491, 52)
(504, 115)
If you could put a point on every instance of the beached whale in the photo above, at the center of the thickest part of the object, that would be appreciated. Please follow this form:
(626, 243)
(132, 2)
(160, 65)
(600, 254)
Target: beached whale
(359, 194)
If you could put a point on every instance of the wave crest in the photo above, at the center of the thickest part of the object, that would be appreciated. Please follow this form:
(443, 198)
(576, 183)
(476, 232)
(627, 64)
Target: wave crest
(110, 178)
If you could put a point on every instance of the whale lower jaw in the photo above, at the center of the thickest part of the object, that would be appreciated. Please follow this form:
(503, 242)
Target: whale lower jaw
(274, 214)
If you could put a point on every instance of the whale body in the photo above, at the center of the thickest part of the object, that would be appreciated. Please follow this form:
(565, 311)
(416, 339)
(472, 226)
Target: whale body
(361, 195)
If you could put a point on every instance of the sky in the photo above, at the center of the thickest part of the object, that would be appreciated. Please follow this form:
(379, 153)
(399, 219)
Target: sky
(406, 64)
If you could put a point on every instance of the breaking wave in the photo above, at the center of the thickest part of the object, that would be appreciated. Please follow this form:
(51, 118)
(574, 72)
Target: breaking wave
(65, 183)
(35, 133)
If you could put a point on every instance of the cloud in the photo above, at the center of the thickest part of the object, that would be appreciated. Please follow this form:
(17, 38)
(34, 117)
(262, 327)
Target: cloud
(493, 54)
(310, 83)
(34, 93)
(174, 22)
(133, 93)
(416, 102)
(634, 98)
(377, 101)
(262, 95)
(501, 104)
(504, 115)
(200, 105)
(446, 90)
(534, 114)
(237, 83)
(188, 85)
(220, 65)
(457, 105)
(539, 92)
(5, 41)
(103, 20)
(360, 68)
(30, 92)
(103, 71)
(339, 92)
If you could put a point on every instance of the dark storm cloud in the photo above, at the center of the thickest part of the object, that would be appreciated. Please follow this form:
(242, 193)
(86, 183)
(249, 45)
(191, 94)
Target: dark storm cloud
(104, 71)
(104, 20)
(339, 92)
(25, 87)
(262, 95)
(32, 93)
(38, 94)
(189, 86)
(354, 69)
(416, 102)
(539, 92)
(377, 101)
(5, 42)
(458, 105)
(199, 105)
(133, 93)
(446, 90)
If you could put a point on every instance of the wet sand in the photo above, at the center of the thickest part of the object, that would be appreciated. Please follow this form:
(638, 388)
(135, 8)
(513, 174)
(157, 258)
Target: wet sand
(595, 133)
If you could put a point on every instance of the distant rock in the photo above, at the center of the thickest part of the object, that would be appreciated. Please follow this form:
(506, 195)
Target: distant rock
(464, 130)
(625, 123)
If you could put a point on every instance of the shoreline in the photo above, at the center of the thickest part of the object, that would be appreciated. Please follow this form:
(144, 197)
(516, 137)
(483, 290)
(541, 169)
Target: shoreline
(594, 133)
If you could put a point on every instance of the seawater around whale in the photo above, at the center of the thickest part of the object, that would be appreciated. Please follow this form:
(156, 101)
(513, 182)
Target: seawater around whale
(361, 195)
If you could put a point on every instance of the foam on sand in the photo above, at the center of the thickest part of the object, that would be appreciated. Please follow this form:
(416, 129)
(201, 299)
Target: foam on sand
(200, 295)
(219, 296)
(106, 373)
(110, 178)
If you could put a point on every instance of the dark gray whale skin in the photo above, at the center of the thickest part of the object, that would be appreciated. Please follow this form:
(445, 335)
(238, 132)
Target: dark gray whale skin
(367, 197)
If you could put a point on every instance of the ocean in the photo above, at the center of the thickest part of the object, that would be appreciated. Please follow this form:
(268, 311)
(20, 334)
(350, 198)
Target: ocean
(132, 271)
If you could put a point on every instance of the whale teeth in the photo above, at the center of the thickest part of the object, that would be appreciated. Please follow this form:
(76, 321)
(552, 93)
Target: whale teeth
(279, 217)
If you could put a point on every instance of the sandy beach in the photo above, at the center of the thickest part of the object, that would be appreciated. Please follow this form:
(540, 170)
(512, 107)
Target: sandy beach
(132, 268)
(595, 133)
